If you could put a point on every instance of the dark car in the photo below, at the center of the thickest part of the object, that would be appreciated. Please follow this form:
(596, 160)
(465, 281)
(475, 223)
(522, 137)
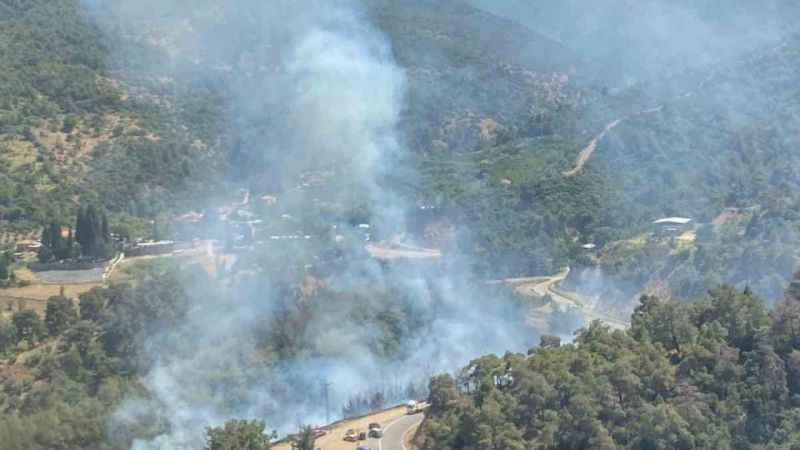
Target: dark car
(375, 430)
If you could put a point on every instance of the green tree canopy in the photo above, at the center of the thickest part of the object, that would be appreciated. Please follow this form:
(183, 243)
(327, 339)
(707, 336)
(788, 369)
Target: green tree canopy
(238, 435)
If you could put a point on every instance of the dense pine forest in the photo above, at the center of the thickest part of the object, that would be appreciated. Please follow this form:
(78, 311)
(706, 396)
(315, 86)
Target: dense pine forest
(716, 373)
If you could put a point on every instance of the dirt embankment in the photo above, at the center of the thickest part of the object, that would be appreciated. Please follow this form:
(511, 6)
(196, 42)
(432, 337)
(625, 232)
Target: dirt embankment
(548, 287)
(397, 252)
(586, 153)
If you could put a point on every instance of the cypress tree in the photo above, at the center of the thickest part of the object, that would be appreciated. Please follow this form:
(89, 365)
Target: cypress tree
(106, 234)
(90, 231)
(56, 243)
(70, 244)
(4, 273)
(45, 253)
(80, 230)
(45, 240)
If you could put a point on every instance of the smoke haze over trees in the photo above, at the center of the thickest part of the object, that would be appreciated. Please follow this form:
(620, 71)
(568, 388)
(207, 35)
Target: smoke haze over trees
(279, 143)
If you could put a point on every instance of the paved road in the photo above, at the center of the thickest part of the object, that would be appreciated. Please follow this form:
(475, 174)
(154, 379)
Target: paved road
(395, 434)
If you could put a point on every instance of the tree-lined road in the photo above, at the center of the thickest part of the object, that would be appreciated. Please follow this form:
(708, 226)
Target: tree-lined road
(396, 434)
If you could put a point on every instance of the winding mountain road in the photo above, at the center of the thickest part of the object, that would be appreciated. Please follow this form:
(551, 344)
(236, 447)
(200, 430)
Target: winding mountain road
(397, 433)
(398, 429)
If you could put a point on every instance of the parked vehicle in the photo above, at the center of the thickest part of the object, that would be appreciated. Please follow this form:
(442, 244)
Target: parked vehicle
(414, 407)
(375, 430)
(351, 435)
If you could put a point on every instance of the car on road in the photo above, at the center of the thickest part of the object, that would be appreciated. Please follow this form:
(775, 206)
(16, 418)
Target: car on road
(351, 435)
(375, 430)
(363, 447)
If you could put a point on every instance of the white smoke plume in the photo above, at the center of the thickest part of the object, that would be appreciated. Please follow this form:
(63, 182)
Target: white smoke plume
(323, 80)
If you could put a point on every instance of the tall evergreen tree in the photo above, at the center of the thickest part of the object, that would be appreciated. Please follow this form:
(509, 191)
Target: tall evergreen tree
(52, 244)
(104, 231)
(4, 263)
(82, 230)
(92, 232)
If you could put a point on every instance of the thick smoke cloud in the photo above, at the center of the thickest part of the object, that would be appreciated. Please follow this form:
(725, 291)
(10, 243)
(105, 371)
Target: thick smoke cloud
(314, 88)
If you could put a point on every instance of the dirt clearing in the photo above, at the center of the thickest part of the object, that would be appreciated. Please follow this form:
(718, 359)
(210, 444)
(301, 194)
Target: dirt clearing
(35, 296)
(390, 254)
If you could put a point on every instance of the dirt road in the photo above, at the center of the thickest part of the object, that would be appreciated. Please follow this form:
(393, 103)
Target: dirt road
(541, 287)
(586, 153)
(392, 253)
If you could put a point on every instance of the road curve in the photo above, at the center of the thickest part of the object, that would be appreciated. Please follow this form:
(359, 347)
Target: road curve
(395, 434)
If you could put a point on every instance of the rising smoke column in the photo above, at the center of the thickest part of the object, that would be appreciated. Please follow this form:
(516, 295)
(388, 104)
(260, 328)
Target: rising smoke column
(331, 96)
(323, 82)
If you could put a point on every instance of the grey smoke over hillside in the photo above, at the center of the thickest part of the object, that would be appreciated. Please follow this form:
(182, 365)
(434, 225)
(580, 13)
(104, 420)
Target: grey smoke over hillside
(633, 41)
(313, 87)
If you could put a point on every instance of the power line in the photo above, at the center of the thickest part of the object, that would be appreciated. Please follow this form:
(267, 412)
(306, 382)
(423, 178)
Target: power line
(325, 391)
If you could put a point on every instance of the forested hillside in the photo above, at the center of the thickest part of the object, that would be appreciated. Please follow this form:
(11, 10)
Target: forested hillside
(724, 155)
(351, 197)
(635, 42)
(695, 145)
(718, 373)
(71, 125)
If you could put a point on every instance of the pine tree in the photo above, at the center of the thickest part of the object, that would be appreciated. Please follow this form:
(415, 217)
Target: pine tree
(304, 440)
(60, 313)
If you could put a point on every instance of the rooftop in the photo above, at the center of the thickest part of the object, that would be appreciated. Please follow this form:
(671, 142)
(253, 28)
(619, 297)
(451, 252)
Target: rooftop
(672, 221)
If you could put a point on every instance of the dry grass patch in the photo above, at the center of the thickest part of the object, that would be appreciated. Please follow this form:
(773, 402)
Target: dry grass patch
(35, 296)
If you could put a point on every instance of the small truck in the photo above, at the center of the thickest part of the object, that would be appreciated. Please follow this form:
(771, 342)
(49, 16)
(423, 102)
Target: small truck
(414, 407)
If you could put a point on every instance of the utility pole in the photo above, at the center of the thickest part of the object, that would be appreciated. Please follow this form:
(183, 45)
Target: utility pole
(325, 392)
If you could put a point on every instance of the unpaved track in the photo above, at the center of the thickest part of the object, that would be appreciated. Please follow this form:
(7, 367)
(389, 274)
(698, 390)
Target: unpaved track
(586, 153)
(389, 254)
(548, 286)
